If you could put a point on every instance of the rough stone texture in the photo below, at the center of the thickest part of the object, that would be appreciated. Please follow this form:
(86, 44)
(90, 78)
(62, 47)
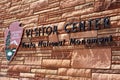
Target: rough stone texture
(74, 72)
(86, 5)
(113, 71)
(91, 58)
(69, 3)
(39, 4)
(19, 68)
(52, 63)
(5, 78)
(64, 54)
(68, 62)
(78, 12)
(116, 53)
(79, 78)
(99, 76)
(33, 60)
(44, 71)
(106, 4)
(84, 34)
(53, 38)
(63, 37)
(56, 77)
(27, 75)
(115, 66)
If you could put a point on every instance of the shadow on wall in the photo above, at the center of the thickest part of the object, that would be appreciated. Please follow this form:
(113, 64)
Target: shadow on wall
(102, 5)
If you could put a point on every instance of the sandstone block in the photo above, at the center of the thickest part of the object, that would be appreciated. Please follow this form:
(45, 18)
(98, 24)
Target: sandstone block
(86, 5)
(28, 20)
(3, 74)
(116, 53)
(84, 34)
(24, 13)
(116, 66)
(113, 18)
(57, 77)
(99, 76)
(53, 38)
(78, 12)
(47, 11)
(89, 0)
(116, 58)
(69, 3)
(13, 79)
(16, 62)
(44, 71)
(54, 63)
(112, 71)
(79, 78)
(63, 37)
(74, 72)
(4, 78)
(91, 58)
(33, 60)
(108, 31)
(19, 68)
(14, 8)
(38, 4)
(27, 75)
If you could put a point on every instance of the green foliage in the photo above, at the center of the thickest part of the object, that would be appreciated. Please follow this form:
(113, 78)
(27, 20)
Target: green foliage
(8, 39)
(7, 50)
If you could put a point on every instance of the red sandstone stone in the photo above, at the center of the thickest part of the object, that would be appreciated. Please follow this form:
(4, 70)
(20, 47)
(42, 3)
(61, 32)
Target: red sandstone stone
(64, 54)
(74, 72)
(69, 3)
(84, 34)
(53, 38)
(19, 68)
(91, 58)
(52, 1)
(30, 75)
(73, 19)
(38, 4)
(63, 37)
(79, 78)
(51, 11)
(29, 20)
(43, 18)
(33, 60)
(54, 63)
(100, 76)
(78, 12)
(24, 13)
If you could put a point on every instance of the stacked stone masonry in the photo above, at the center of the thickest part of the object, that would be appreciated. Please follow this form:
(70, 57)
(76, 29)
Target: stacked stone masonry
(69, 62)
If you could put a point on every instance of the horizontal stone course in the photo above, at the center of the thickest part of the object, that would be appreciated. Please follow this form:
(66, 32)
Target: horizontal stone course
(79, 78)
(116, 53)
(115, 66)
(27, 75)
(106, 71)
(38, 4)
(54, 63)
(67, 62)
(74, 72)
(99, 76)
(78, 12)
(44, 71)
(57, 77)
(19, 68)
(69, 3)
(84, 34)
(33, 60)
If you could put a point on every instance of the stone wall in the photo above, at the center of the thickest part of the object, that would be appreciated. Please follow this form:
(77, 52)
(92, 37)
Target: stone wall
(75, 62)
